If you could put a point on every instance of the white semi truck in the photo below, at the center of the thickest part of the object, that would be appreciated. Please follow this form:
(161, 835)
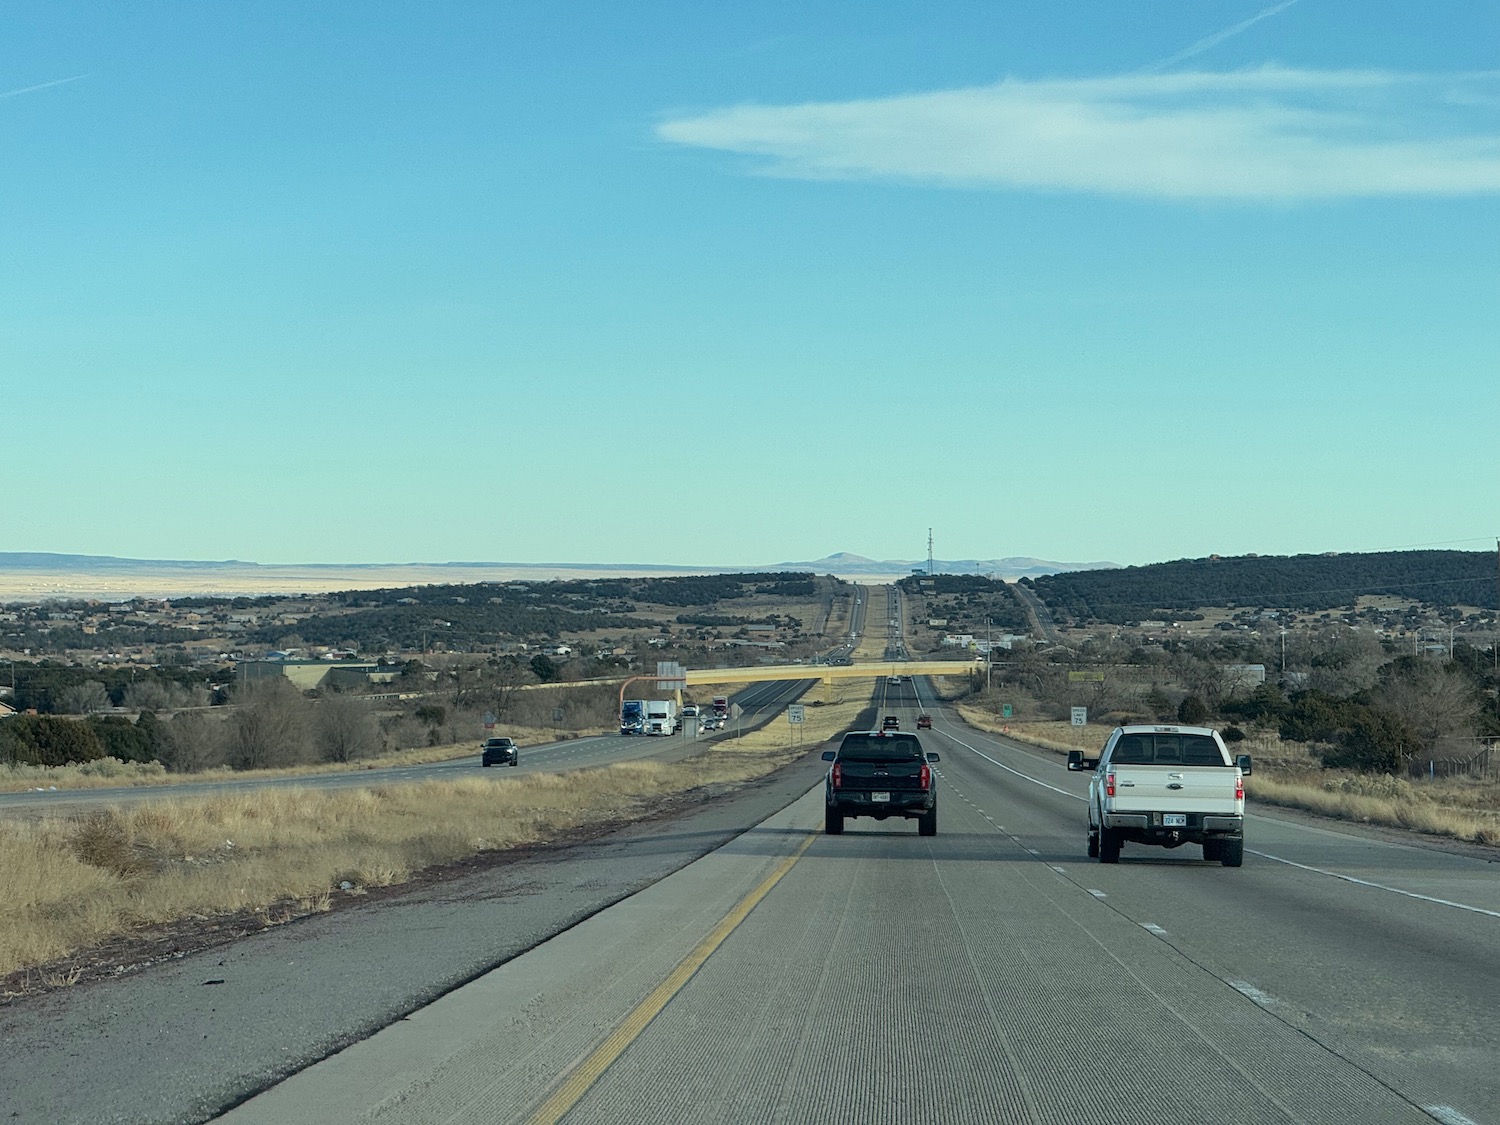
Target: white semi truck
(661, 716)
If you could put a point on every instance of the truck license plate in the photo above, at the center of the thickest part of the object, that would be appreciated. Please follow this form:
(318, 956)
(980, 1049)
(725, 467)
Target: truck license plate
(878, 797)
(1174, 820)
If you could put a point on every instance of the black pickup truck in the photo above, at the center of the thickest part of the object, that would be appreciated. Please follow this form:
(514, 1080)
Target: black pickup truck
(880, 774)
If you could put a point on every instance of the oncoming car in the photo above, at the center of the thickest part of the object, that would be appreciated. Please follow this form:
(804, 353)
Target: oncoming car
(879, 774)
(499, 752)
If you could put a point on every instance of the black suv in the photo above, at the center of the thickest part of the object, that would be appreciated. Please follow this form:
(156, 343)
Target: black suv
(499, 752)
(880, 773)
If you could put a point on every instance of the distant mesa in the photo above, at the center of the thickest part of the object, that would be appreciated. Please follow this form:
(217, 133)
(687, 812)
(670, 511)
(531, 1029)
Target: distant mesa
(845, 564)
(43, 575)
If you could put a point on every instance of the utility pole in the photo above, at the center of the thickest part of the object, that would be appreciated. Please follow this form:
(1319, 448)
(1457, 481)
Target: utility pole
(931, 571)
(989, 654)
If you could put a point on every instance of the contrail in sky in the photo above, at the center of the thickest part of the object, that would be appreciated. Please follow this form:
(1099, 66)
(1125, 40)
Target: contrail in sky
(1218, 37)
(41, 86)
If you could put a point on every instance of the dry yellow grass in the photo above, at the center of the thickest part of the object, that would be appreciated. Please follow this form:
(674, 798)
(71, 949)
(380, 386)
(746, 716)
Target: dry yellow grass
(872, 642)
(821, 721)
(1057, 736)
(69, 883)
(1389, 801)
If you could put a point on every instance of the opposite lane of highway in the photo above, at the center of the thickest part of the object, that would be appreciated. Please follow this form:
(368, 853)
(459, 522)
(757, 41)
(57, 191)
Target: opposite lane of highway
(759, 701)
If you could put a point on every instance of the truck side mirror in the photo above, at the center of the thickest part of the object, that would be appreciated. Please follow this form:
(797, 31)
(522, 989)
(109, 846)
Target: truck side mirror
(934, 757)
(1075, 760)
(1243, 761)
(830, 755)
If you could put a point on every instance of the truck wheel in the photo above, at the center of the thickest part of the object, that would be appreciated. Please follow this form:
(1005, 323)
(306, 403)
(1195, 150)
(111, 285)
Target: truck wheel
(833, 822)
(1232, 853)
(1109, 845)
(927, 823)
(1093, 845)
(1211, 850)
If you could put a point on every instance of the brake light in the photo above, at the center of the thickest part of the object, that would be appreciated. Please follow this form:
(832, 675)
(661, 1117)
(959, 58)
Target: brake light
(838, 775)
(1109, 785)
(926, 776)
(1239, 787)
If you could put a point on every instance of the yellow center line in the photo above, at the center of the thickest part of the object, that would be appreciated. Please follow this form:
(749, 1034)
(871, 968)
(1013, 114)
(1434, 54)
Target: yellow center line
(583, 1076)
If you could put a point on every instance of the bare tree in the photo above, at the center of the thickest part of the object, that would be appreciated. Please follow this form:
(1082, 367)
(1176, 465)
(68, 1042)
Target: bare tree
(1349, 663)
(269, 728)
(192, 743)
(1435, 703)
(345, 729)
(148, 695)
(83, 699)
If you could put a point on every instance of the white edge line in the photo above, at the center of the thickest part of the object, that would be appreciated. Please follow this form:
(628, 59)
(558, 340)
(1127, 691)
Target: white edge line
(1448, 1115)
(1250, 992)
(1378, 886)
(1252, 851)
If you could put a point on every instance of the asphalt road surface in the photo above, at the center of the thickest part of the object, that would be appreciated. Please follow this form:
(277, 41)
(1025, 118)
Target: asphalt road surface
(989, 974)
(760, 702)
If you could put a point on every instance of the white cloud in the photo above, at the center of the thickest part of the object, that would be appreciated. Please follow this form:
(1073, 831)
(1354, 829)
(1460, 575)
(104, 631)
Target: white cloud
(1269, 133)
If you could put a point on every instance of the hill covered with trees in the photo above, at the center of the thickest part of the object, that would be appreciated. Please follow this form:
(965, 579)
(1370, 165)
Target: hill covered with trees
(1305, 583)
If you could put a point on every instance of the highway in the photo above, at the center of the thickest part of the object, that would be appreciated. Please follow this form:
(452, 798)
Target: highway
(760, 702)
(989, 974)
(735, 964)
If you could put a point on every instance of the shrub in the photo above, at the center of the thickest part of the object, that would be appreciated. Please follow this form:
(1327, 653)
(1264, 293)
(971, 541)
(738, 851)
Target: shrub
(44, 740)
(123, 739)
(1192, 711)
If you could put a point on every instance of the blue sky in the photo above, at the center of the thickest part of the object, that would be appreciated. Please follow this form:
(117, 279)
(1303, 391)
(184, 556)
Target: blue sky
(734, 284)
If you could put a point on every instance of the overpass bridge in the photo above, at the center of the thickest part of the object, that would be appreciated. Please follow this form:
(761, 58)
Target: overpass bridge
(827, 673)
(830, 672)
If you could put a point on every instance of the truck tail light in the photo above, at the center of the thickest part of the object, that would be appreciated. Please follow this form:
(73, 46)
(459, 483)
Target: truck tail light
(838, 775)
(1109, 785)
(1239, 787)
(926, 776)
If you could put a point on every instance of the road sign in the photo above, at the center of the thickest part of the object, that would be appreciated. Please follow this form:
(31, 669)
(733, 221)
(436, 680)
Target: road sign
(1006, 711)
(735, 710)
(670, 676)
(1085, 677)
(794, 713)
(1080, 716)
(489, 718)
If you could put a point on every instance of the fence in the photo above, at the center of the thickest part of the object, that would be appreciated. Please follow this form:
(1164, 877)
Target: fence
(1479, 763)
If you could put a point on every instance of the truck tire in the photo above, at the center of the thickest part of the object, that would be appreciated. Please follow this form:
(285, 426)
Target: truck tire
(1232, 853)
(1093, 845)
(1212, 850)
(1109, 845)
(927, 823)
(833, 822)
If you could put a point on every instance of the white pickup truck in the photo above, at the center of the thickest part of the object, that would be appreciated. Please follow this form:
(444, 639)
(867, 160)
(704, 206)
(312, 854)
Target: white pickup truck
(1166, 786)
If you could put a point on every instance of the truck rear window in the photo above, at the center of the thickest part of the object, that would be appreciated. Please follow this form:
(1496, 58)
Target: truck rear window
(1167, 750)
(880, 748)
